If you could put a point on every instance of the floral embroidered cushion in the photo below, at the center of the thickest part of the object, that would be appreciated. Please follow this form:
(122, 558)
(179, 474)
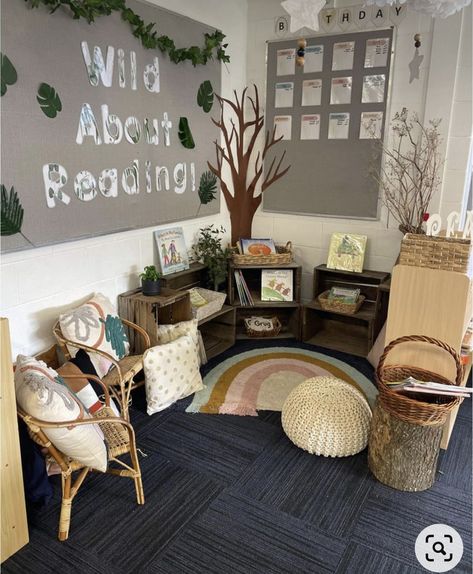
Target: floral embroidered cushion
(42, 393)
(171, 373)
(96, 324)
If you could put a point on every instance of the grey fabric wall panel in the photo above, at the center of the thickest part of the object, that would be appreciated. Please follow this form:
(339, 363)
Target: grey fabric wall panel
(47, 48)
(328, 176)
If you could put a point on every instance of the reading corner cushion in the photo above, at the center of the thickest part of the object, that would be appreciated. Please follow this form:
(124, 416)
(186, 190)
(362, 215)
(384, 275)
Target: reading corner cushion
(171, 373)
(42, 394)
(96, 324)
(327, 416)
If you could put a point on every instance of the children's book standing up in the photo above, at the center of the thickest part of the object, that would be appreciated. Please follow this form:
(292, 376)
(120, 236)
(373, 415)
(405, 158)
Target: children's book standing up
(277, 285)
(172, 250)
(257, 246)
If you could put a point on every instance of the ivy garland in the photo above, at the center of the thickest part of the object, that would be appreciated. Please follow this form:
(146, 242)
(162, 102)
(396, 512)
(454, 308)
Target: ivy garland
(90, 9)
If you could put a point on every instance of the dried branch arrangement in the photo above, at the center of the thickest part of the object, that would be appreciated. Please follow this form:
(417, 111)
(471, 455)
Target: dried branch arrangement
(240, 139)
(410, 173)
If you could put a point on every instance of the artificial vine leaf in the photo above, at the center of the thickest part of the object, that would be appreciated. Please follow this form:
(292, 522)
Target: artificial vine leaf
(11, 212)
(115, 334)
(49, 100)
(8, 74)
(207, 187)
(205, 96)
(185, 134)
(91, 9)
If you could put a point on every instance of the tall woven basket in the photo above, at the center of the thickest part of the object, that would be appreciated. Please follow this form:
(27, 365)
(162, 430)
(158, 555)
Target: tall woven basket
(405, 434)
(416, 409)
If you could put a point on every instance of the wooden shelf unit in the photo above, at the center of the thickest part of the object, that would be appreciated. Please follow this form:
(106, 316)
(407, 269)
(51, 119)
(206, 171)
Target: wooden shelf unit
(288, 312)
(218, 329)
(171, 306)
(350, 333)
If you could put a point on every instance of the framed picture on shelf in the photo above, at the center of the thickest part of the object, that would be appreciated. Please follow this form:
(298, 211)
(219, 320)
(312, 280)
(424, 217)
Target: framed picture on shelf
(257, 246)
(347, 252)
(277, 285)
(172, 250)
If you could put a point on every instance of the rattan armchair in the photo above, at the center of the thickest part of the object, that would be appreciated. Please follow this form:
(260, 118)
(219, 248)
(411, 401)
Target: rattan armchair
(120, 379)
(120, 440)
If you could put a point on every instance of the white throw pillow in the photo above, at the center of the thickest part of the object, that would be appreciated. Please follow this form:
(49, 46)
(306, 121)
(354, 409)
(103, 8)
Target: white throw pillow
(170, 332)
(42, 393)
(171, 373)
(96, 324)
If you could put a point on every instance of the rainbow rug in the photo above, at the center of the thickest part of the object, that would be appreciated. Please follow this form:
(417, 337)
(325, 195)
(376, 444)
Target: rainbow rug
(262, 378)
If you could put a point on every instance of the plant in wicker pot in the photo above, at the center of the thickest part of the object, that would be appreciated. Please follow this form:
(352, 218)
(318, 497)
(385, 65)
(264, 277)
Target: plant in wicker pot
(150, 281)
(410, 173)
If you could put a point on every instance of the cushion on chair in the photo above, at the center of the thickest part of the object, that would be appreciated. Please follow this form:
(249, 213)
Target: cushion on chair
(96, 324)
(327, 416)
(170, 332)
(171, 373)
(42, 394)
(83, 390)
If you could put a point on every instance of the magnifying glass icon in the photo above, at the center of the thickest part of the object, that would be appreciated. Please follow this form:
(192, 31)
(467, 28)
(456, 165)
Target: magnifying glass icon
(439, 548)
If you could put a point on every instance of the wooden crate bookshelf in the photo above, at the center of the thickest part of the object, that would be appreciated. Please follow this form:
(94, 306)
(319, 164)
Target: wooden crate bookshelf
(288, 312)
(171, 306)
(218, 330)
(195, 276)
(354, 334)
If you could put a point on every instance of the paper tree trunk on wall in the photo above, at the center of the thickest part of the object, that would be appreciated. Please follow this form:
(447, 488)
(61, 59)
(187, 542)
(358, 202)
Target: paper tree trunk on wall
(240, 138)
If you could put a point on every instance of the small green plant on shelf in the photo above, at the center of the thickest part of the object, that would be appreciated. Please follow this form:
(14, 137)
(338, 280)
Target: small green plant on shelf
(150, 280)
(212, 254)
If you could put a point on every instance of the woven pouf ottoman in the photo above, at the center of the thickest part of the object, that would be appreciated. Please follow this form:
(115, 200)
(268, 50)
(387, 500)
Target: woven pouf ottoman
(327, 416)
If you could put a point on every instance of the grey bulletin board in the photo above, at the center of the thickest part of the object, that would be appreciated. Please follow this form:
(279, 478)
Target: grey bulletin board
(328, 177)
(47, 49)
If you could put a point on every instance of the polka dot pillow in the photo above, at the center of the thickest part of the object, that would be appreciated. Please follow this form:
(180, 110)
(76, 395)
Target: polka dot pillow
(171, 373)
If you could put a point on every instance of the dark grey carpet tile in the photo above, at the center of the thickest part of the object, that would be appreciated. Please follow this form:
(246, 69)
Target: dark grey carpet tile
(218, 446)
(455, 462)
(128, 536)
(359, 559)
(391, 520)
(300, 484)
(237, 535)
(271, 417)
(44, 554)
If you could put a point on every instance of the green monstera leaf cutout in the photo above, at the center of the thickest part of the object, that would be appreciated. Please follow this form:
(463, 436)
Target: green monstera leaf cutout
(205, 96)
(185, 134)
(207, 187)
(115, 334)
(49, 100)
(11, 212)
(8, 74)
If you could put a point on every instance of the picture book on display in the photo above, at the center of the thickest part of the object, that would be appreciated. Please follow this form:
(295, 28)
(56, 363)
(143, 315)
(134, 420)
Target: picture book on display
(257, 246)
(347, 252)
(277, 285)
(172, 250)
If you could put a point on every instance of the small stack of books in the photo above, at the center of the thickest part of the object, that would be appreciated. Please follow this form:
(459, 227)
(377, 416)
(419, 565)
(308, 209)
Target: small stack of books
(343, 295)
(412, 385)
(243, 292)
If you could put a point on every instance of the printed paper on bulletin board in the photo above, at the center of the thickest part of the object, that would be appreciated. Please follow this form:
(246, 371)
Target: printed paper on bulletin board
(149, 177)
(331, 168)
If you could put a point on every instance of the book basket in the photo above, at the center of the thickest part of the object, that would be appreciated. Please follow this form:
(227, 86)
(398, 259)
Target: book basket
(447, 253)
(417, 409)
(338, 306)
(282, 257)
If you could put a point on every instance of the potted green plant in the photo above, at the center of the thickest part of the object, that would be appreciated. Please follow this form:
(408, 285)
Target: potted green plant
(210, 252)
(150, 281)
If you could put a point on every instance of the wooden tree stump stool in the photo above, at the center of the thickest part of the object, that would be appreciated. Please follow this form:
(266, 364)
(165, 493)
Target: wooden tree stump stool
(403, 455)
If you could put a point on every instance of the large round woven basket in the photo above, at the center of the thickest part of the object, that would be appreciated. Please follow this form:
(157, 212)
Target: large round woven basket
(416, 409)
(327, 416)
